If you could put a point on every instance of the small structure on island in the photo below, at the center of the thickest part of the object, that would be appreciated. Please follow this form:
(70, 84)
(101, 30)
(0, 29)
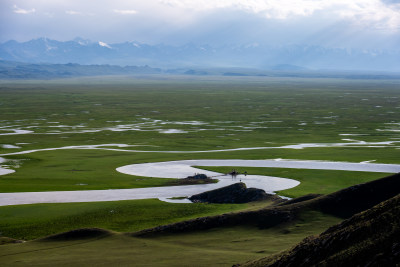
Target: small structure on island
(234, 172)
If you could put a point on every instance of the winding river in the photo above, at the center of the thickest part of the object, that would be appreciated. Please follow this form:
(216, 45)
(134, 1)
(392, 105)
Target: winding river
(184, 168)
(4, 171)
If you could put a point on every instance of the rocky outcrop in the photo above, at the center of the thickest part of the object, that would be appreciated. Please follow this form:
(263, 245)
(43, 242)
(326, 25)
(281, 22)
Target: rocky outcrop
(235, 193)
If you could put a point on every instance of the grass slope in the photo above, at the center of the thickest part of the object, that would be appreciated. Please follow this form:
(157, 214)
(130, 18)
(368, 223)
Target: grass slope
(369, 238)
(212, 247)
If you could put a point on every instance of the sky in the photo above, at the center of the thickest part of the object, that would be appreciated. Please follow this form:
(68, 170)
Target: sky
(369, 24)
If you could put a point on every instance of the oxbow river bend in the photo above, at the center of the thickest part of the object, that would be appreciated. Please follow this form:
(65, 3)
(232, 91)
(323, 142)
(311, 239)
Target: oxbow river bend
(184, 168)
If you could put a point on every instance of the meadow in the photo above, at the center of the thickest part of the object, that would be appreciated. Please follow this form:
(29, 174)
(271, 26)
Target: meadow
(115, 121)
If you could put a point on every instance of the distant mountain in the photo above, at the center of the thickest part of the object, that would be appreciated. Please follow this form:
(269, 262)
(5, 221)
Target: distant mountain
(290, 57)
(15, 70)
(20, 70)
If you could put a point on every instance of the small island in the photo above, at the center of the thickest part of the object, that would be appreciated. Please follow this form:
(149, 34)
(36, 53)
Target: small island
(235, 193)
(197, 178)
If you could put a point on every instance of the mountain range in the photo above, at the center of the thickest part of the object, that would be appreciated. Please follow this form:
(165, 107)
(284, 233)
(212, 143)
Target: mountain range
(288, 57)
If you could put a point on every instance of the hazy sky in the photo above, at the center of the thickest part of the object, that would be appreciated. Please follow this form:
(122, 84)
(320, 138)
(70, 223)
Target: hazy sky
(335, 23)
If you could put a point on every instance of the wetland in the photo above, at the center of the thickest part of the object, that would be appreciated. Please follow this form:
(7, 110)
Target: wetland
(80, 136)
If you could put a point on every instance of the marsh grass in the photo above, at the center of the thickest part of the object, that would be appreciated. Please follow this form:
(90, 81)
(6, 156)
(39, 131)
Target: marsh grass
(274, 110)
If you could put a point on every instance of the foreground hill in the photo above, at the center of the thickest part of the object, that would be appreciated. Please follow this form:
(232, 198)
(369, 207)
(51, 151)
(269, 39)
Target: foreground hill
(238, 237)
(369, 238)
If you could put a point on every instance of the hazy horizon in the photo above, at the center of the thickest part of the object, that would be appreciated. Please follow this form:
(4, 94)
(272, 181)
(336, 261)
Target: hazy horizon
(315, 34)
(360, 24)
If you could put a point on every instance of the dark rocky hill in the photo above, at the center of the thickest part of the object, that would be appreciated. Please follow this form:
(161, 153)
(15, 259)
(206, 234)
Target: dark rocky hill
(235, 193)
(369, 238)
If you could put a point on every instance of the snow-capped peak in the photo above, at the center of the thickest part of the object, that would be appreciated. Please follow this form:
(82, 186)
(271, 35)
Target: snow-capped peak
(104, 45)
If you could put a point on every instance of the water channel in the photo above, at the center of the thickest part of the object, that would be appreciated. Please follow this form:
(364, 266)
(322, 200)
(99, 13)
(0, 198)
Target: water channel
(184, 168)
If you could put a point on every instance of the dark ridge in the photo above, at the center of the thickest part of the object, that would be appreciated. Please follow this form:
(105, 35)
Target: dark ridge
(235, 193)
(349, 201)
(369, 238)
(78, 234)
(343, 203)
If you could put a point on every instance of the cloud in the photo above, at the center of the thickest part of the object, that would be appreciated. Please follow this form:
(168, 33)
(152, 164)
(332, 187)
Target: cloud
(381, 15)
(370, 13)
(270, 8)
(78, 13)
(125, 11)
(23, 11)
(336, 23)
(72, 12)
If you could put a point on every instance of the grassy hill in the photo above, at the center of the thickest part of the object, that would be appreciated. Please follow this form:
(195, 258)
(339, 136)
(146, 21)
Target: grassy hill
(369, 238)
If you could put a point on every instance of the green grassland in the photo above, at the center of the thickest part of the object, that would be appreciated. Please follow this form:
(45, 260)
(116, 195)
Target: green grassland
(272, 108)
(211, 113)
